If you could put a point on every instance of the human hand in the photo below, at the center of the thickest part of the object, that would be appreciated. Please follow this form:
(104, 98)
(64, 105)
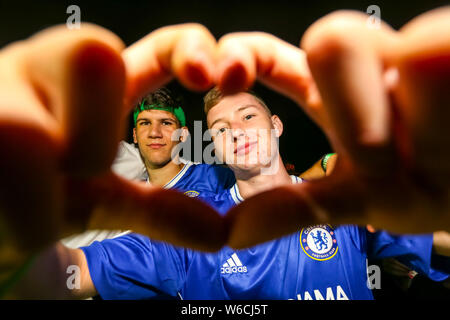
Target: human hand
(64, 95)
(381, 98)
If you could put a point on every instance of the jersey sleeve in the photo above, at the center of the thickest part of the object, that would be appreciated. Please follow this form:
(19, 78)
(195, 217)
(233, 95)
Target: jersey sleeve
(415, 251)
(135, 267)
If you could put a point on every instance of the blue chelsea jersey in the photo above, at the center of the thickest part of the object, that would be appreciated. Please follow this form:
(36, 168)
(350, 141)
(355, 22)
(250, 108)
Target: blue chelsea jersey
(202, 180)
(317, 262)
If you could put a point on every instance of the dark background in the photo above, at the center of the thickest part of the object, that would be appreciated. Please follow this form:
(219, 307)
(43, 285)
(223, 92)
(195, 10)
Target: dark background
(302, 142)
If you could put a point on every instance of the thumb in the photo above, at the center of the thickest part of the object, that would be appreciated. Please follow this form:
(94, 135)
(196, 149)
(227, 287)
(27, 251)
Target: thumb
(285, 210)
(114, 203)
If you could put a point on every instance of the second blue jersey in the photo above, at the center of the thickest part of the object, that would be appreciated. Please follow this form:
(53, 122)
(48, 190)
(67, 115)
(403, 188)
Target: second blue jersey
(202, 180)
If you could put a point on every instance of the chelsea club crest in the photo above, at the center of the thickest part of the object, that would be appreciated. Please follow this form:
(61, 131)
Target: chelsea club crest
(191, 193)
(319, 242)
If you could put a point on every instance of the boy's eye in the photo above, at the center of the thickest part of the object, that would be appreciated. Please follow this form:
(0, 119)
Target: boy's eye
(221, 130)
(249, 116)
(144, 123)
(167, 123)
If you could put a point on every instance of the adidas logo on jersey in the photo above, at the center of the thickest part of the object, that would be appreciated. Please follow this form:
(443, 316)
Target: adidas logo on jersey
(233, 265)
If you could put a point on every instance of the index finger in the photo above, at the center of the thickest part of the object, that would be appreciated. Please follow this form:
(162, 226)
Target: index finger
(186, 51)
(249, 56)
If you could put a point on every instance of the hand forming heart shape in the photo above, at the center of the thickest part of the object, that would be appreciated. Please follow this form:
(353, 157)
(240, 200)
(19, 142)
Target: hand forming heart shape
(379, 95)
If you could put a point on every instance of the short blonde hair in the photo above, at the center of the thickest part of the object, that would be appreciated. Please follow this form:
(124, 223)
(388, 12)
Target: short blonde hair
(214, 96)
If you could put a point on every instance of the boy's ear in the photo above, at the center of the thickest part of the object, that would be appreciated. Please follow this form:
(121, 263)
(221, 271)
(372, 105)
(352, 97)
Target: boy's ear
(134, 135)
(184, 134)
(277, 125)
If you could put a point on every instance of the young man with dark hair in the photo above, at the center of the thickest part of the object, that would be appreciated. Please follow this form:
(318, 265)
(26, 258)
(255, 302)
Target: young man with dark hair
(159, 126)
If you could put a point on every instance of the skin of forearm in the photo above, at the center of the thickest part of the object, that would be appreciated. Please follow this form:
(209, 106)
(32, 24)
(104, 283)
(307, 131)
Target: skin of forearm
(441, 243)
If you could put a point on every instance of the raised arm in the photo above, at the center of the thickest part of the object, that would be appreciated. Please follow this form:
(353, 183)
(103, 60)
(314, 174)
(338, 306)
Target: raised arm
(381, 98)
(63, 98)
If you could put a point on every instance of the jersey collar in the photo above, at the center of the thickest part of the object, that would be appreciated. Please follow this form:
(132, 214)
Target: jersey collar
(237, 198)
(178, 176)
